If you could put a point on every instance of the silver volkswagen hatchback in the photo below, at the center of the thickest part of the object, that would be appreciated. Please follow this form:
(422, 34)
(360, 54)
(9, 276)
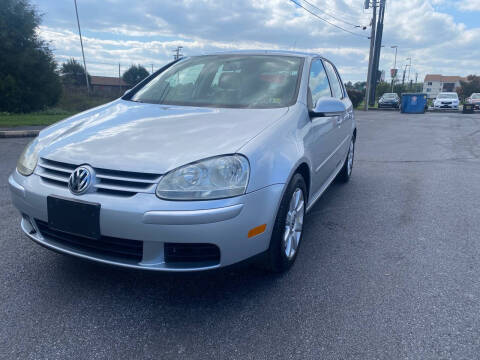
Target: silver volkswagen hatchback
(209, 161)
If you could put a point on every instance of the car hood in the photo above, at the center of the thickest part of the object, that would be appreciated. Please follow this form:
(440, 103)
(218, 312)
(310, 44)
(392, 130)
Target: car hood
(151, 138)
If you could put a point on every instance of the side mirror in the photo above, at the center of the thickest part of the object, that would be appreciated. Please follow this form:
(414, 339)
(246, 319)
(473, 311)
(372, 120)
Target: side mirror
(328, 107)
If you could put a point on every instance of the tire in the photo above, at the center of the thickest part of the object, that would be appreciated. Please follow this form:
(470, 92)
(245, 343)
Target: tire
(289, 221)
(346, 172)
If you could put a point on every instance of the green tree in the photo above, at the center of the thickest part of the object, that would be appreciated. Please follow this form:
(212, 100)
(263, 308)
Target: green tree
(469, 86)
(356, 96)
(28, 76)
(73, 73)
(135, 74)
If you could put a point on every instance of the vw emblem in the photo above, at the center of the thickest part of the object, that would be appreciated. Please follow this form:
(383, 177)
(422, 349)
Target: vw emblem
(80, 180)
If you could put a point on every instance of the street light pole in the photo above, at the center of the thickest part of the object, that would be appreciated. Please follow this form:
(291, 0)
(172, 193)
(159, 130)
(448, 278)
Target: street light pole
(81, 45)
(394, 65)
(370, 58)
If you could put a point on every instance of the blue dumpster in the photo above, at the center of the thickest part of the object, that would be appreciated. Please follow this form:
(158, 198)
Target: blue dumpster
(414, 103)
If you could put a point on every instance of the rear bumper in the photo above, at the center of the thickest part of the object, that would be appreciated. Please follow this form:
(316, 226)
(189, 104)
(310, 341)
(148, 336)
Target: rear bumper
(155, 223)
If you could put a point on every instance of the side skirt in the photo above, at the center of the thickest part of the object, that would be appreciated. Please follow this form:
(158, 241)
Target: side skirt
(325, 186)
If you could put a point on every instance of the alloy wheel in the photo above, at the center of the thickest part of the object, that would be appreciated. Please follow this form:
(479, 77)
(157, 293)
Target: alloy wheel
(294, 224)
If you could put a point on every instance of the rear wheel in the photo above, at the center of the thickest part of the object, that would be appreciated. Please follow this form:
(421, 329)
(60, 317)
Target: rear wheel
(346, 172)
(288, 229)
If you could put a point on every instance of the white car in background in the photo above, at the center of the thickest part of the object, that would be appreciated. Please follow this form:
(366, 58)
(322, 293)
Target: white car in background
(474, 99)
(446, 100)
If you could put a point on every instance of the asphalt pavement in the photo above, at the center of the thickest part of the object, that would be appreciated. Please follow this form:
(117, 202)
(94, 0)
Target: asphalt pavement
(389, 268)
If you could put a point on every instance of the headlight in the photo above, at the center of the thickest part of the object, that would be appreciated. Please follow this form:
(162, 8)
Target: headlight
(214, 178)
(28, 160)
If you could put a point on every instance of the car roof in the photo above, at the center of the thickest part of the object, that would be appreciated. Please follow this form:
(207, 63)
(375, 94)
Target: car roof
(264, 52)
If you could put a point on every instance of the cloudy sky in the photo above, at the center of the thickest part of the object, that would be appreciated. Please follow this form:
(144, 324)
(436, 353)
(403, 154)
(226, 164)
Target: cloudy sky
(441, 36)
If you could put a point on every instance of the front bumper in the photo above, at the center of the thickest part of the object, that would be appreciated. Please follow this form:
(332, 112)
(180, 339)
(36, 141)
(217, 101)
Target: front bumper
(155, 223)
(445, 106)
(388, 105)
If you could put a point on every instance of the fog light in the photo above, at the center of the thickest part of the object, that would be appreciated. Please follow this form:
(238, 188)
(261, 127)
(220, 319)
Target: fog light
(28, 225)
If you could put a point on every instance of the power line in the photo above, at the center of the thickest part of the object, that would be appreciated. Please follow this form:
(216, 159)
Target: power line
(328, 22)
(344, 21)
(341, 13)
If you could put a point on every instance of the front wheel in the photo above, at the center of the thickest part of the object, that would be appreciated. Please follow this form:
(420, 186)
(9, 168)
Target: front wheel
(288, 229)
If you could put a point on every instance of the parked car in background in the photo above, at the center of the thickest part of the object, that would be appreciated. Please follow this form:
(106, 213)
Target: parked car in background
(212, 160)
(475, 100)
(446, 100)
(389, 100)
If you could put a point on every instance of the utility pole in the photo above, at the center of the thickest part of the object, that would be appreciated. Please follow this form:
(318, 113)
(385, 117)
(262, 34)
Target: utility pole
(370, 58)
(394, 71)
(409, 67)
(152, 68)
(376, 57)
(177, 54)
(81, 45)
(404, 72)
(119, 80)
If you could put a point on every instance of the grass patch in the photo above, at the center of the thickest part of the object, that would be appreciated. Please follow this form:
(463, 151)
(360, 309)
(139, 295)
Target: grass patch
(40, 118)
(361, 106)
(72, 101)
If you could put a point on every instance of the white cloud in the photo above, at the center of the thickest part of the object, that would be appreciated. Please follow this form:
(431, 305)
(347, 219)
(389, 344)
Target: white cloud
(146, 32)
(470, 5)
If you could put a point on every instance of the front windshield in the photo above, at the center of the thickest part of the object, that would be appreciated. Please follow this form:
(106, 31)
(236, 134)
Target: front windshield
(447, 96)
(476, 96)
(236, 81)
(389, 96)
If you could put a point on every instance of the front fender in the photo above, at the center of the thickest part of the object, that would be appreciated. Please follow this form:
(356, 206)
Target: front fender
(278, 151)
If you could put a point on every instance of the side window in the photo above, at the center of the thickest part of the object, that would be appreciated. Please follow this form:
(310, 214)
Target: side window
(337, 89)
(318, 82)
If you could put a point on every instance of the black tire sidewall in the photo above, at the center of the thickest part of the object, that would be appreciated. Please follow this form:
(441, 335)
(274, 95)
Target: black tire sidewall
(278, 261)
(343, 175)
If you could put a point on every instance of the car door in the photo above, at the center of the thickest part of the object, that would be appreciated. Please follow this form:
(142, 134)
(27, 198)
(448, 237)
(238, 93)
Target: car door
(344, 126)
(320, 142)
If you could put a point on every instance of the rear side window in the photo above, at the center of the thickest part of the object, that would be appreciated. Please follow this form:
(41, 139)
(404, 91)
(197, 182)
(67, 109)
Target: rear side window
(318, 82)
(337, 89)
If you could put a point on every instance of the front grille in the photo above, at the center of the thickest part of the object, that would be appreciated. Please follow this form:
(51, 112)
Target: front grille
(191, 253)
(106, 246)
(111, 182)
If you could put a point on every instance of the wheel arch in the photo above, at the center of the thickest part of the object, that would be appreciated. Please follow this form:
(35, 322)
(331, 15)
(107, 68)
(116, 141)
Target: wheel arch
(304, 170)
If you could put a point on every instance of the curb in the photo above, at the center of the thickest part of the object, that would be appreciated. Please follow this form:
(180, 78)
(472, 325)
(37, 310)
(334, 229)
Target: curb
(18, 133)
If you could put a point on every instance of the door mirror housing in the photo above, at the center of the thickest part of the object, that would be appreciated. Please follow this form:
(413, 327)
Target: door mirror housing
(328, 107)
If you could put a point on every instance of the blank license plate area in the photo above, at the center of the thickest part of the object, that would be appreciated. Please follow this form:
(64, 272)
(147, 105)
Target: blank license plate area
(74, 217)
